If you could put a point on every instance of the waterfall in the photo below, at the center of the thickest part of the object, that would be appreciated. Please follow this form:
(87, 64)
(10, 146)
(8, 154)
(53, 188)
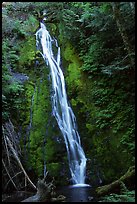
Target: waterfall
(61, 109)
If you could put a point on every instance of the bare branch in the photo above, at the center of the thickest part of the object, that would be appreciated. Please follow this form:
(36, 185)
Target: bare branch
(45, 177)
(18, 160)
(7, 151)
(13, 177)
(9, 174)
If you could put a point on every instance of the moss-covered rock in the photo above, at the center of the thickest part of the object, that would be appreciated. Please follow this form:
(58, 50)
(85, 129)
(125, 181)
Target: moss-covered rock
(94, 111)
(74, 64)
(40, 110)
(27, 52)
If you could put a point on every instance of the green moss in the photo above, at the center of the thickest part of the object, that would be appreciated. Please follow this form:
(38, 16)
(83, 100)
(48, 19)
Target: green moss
(27, 52)
(73, 102)
(54, 169)
(36, 109)
(31, 24)
(127, 196)
(50, 153)
(61, 34)
(36, 161)
(53, 28)
(42, 144)
(29, 90)
(74, 64)
(39, 161)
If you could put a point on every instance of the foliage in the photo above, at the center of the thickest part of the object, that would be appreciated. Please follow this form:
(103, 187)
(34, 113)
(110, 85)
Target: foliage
(97, 47)
(15, 57)
(27, 52)
(128, 196)
(105, 114)
(11, 91)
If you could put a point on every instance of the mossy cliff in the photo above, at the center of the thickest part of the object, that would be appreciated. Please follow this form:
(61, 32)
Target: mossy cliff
(40, 136)
(93, 111)
(101, 123)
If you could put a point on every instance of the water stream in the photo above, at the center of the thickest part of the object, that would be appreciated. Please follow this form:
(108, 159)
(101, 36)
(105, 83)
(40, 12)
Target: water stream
(61, 109)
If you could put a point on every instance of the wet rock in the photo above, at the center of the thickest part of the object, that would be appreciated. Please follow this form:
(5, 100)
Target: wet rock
(90, 198)
(20, 77)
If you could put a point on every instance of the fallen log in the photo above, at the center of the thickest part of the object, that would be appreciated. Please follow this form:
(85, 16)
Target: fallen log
(45, 193)
(115, 187)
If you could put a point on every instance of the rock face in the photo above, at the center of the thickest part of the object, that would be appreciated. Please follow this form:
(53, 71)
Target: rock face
(20, 77)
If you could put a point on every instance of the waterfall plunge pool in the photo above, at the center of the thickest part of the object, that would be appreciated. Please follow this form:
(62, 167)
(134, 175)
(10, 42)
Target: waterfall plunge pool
(78, 193)
(73, 193)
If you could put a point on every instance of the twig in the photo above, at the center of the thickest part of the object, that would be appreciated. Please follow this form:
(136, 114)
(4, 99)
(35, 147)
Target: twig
(9, 174)
(7, 150)
(18, 160)
(45, 176)
(13, 177)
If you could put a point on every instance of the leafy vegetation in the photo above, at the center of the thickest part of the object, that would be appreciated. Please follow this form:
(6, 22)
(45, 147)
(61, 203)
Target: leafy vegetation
(97, 48)
(128, 196)
(106, 112)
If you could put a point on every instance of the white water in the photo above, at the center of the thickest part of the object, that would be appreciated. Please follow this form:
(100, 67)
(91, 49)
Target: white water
(61, 110)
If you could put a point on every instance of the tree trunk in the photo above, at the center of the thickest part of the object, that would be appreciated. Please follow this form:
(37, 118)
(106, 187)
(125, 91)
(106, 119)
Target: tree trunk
(119, 22)
(128, 178)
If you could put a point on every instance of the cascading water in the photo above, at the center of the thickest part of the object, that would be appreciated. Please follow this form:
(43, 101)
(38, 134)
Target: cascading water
(61, 110)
